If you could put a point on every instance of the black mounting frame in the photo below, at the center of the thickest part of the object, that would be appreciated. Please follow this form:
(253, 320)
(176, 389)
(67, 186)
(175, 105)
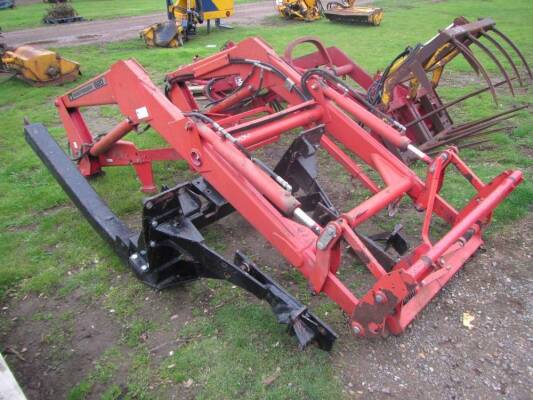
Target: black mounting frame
(170, 248)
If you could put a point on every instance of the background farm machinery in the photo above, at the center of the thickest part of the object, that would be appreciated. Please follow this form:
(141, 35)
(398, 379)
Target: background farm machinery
(61, 12)
(5, 4)
(183, 18)
(38, 67)
(345, 11)
(258, 99)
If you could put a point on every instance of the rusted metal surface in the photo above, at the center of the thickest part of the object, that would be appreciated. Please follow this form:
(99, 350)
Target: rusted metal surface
(407, 90)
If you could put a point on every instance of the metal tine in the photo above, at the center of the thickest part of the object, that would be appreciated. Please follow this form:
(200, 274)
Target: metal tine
(480, 122)
(493, 58)
(472, 144)
(510, 42)
(492, 117)
(468, 54)
(451, 131)
(484, 130)
(460, 137)
(480, 125)
(453, 102)
(505, 53)
(462, 146)
(466, 145)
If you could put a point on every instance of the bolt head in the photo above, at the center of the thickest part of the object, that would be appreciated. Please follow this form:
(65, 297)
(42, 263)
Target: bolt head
(356, 330)
(144, 267)
(380, 298)
(134, 256)
(152, 243)
(196, 158)
(154, 223)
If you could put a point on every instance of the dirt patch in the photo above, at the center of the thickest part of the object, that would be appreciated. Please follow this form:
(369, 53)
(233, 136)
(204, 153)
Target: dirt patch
(52, 344)
(440, 358)
(59, 340)
(527, 150)
(23, 228)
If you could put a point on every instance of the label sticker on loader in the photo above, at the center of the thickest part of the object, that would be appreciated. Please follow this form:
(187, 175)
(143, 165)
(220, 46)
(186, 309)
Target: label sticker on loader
(89, 88)
(142, 113)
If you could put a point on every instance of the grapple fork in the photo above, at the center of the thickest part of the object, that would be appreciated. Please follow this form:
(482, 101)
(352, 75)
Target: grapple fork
(407, 90)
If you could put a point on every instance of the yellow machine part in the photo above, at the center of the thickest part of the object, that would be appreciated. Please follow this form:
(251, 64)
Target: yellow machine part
(40, 67)
(435, 67)
(165, 34)
(347, 12)
(303, 10)
(374, 15)
(212, 9)
(149, 36)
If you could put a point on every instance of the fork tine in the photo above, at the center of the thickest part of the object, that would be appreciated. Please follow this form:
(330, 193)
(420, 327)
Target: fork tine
(469, 55)
(506, 55)
(493, 57)
(515, 48)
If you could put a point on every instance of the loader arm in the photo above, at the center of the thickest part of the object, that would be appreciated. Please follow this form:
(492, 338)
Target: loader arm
(285, 203)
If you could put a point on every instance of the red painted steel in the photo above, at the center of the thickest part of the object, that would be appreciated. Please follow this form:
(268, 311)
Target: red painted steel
(221, 154)
(117, 133)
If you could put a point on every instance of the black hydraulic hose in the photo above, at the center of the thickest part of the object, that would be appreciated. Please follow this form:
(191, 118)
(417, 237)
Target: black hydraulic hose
(259, 64)
(200, 11)
(220, 130)
(247, 101)
(212, 81)
(209, 88)
(268, 67)
(358, 96)
(376, 89)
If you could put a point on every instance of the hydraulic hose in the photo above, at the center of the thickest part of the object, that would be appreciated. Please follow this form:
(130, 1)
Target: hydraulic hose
(332, 78)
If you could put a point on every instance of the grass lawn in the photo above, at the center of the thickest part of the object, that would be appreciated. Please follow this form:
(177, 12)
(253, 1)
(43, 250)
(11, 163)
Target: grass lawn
(48, 248)
(30, 15)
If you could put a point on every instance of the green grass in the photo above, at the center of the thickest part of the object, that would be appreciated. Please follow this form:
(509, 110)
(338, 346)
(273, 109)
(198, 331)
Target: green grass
(103, 372)
(47, 247)
(31, 15)
(240, 336)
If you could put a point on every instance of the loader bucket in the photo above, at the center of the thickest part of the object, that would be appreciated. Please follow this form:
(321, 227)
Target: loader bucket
(284, 202)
